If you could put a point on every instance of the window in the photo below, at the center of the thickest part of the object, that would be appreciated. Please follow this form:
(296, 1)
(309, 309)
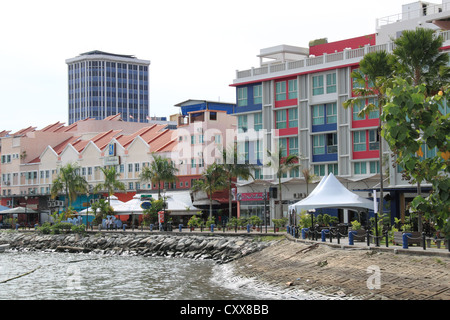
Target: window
(331, 83)
(242, 97)
(283, 147)
(331, 112)
(319, 170)
(333, 168)
(130, 167)
(200, 138)
(280, 116)
(318, 115)
(374, 114)
(259, 149)
(293, 117)
(242, 123)
(242, 155)
(192, 139)
(332, 143)
(258, 174)
(257, 94)
(360, 168)
(294, 173)
(374, 166)
(193, 165)
(359, 141)
(257, 120)
(357, 107)
(318, 144)
(318, 85)
(374, 142)
(280, 90)
(136, 167)
(293, 145)
(292, 89)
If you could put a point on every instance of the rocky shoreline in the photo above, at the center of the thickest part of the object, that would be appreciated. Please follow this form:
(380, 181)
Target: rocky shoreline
(221, 249)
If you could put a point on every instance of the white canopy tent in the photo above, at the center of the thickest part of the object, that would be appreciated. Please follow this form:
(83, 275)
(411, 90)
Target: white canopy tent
(330, 193)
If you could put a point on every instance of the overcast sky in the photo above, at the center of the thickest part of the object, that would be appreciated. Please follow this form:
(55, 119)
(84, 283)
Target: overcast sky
(195, 46)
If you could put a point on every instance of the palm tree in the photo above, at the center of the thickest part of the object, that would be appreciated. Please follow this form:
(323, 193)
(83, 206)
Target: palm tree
(309, 177)
(110, 183)
(232, 171)
(70, 182)
(214, 179)
(420, 59)
(282, 165)
(160, 170)
(376, 70)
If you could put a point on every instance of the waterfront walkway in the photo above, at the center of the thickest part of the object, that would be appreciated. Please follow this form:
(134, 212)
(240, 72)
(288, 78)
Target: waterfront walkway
(343, 243)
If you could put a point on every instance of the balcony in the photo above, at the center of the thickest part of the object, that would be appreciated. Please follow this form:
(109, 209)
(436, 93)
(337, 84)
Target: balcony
(311, 64)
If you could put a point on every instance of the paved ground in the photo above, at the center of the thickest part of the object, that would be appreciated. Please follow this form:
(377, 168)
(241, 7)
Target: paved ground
(349, 272)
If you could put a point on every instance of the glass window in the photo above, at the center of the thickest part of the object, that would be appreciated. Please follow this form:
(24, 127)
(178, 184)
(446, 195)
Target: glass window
(280, 90)
(374, 114)
(242, 97)
(259, 148)
(318, 115)
(294, 173)
(293, 118)
(242, 123)
(331, 112)
(280, 119)
(283, 147)
(357, 107)
(332, 143)
(257, 118)
(193, 165)
(293, 145)
(292, 89)
(374, 143)
(333, 168)
(318, 85)
(257, 94)
(359, 141)
(318, 144)
(374, 166)
(319, 170)
(360, 167)
(331, 82)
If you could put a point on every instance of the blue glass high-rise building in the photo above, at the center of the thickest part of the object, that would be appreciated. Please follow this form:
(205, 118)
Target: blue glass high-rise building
(102, 84)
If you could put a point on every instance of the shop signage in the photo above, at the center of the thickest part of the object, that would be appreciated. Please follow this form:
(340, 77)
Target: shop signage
(253, 196)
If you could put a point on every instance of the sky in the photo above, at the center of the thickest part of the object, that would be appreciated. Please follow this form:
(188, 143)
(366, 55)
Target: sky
(194, 46)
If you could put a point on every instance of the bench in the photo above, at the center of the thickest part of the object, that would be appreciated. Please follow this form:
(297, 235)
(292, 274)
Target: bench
(414, 238)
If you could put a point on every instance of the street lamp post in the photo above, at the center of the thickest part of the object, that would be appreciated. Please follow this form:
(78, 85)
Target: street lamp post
(87, 211)
(265, 208)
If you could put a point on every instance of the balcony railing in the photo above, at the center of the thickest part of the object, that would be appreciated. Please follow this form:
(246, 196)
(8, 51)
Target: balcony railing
(325, 60)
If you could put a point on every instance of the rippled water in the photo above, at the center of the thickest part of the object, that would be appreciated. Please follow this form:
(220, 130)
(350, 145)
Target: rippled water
(89, 276)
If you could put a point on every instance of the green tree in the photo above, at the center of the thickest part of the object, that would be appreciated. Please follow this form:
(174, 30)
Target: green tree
(373, 78)
(160, 170)
(280, 165)
(213, 180)
(101, 209)
(232, 170)
(111, 182)
(69, 182)
(415, 124)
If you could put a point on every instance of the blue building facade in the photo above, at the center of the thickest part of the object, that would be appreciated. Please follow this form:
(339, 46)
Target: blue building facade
(102, 84)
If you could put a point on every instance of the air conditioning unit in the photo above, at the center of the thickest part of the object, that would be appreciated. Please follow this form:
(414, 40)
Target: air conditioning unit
(200, 154)
(199, 129)
(296, 195)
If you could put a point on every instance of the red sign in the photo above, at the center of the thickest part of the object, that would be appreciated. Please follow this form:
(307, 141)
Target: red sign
(253, 196)
(161, 216)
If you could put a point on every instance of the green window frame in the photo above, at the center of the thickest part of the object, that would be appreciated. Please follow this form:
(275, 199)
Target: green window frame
(292, 86)
(317, 86)
(359, 141)
(257, 94)
(293, 117)
(331, 82)
(280, 87)
(318, 115)
(242, 97)
(280, 118)
(318, 144)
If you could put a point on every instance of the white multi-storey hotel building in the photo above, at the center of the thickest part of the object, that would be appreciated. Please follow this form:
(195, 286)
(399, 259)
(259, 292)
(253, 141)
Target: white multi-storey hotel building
(296, 95)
